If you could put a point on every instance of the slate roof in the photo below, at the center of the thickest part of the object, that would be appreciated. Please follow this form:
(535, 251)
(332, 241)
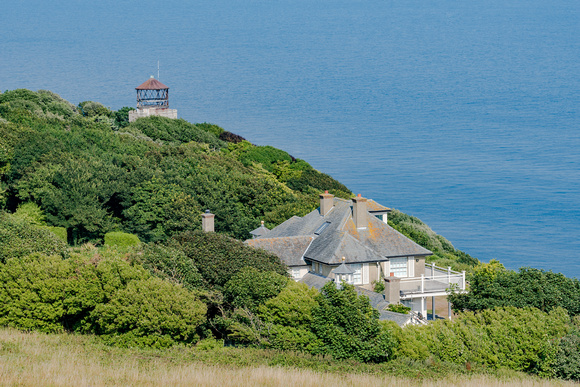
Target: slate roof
(339, 238)
(290, 250)
(260, 231)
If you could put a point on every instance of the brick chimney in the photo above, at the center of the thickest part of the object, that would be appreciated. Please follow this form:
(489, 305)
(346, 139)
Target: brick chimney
(359, 211)
(207, 221)
(326, 203)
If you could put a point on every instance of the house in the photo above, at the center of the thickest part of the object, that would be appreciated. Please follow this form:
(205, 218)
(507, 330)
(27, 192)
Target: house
(350, 241)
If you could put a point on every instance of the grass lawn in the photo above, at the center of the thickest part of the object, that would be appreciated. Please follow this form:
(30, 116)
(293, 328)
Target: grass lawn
(36, 359)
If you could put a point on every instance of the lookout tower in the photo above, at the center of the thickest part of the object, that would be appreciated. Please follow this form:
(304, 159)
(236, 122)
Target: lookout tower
(152, 100)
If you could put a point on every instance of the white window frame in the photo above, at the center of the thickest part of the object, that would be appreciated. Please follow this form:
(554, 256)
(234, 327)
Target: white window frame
(357, 276)
(399, 267)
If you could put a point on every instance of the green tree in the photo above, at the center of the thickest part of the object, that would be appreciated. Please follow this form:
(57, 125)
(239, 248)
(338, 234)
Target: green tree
(219, 257)
(249, 287)
(349, 326)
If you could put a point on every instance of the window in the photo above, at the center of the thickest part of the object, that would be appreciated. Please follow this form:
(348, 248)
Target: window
(357, 276)
(399, 267)
(322, 227)
(295, 273)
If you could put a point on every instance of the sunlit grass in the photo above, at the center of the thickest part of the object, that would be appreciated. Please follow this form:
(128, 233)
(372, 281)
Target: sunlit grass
(34, 359)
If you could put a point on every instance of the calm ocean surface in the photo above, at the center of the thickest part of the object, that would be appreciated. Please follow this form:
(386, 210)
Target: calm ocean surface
(464, 114)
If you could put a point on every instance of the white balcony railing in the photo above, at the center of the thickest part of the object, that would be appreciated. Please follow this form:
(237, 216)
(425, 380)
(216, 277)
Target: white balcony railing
(436, 280)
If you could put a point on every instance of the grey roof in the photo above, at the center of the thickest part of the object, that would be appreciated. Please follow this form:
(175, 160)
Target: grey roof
(290, 250)
(340, 238)
(400, 318)
(260, 231)
(342, 269)
(314, 280)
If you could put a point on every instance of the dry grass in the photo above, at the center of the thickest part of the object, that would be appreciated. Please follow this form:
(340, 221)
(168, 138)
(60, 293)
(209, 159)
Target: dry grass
(33, 359)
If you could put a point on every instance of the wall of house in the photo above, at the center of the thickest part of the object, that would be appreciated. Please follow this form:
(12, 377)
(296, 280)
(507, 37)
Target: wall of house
(297, 272)
(419, 266)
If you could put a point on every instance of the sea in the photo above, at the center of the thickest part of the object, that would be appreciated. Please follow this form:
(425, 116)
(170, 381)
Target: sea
(464, 114)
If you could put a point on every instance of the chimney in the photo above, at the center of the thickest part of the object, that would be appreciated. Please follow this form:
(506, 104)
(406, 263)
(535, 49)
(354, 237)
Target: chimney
(326, 203)
(359, 211)
(207, 221)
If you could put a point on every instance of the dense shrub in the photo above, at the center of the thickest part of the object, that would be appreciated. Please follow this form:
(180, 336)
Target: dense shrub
(211, 128)
(171, 130)
(349, 326)
(567, 362)
(121, 239)
(19, 238)
(50, 294)
(219, 257)
(249, 287)
(519, 339)
(491, 286)
(170, 263)
(150, 312)
(58, 231)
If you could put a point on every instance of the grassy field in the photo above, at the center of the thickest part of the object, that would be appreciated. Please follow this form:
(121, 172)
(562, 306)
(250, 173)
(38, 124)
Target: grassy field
(35, 359)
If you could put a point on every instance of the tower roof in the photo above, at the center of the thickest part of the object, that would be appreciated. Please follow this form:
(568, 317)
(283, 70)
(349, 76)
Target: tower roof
(151, 84)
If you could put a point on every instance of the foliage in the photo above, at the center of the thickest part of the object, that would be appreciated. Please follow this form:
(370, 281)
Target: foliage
(567, 361)
(122, 117)
(493, 286)
(444, 254)
(150, 312)
(60, 232)
(19, 238)
(121, 239)
(398, 308)
(153, 178)
(349, 326)
(94, 109)
(211, 128)
(519, 339)
(32, 213)
(219, 257)
(249, 287)
(379, 286)
(170, 263)
(171, 130)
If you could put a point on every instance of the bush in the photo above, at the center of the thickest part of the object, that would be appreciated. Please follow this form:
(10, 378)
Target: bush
(121, 239)
(349, 326)
(492, 286)
(211, 128)
(519, 339)
(567, 362)
(171, 130)
(150, 312)
(51, 294)
(19, 238)
(250, 287)
(170, 263)
(399, 308)
(58, 231)
(218, 257)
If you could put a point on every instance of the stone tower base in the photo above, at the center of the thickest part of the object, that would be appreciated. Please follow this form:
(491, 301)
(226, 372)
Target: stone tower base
(146, 112)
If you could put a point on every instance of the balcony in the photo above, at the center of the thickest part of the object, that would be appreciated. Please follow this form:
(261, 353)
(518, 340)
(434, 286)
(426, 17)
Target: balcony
(435, 282)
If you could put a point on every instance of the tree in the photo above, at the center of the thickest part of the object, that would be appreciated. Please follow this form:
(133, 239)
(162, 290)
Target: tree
(219, 257)
(349, 326)
(249, 287)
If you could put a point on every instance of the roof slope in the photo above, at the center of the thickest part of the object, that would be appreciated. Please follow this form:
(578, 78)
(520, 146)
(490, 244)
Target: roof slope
(334, 236)
(290, 249)
(151, 84)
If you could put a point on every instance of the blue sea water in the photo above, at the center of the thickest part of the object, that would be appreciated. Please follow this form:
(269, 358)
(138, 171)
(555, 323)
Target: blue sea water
(464, 114)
